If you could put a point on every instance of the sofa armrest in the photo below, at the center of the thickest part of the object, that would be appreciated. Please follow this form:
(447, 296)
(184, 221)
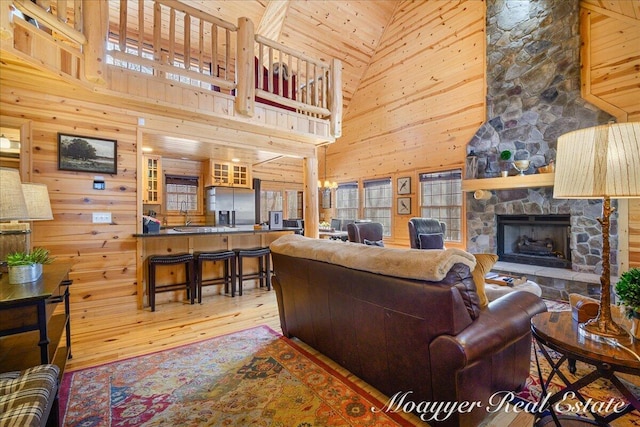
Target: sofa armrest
(500, 324)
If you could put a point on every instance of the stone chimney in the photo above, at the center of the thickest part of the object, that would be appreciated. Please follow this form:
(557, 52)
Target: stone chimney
(533, 73)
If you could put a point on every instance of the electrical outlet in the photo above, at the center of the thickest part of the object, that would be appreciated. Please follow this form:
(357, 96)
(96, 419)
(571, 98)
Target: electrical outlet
(102, 217)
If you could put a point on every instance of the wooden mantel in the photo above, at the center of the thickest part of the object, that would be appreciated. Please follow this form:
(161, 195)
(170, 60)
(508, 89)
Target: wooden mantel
(505, 183)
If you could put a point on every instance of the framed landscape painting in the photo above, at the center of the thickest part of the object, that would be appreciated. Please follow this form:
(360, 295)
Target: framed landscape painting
(87, 154)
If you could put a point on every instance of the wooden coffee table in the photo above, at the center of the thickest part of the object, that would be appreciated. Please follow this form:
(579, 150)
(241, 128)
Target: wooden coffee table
(558, 331)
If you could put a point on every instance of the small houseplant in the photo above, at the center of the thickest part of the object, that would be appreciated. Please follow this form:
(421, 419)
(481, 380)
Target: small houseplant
(628, 291)
(505, 156)
(26, 267)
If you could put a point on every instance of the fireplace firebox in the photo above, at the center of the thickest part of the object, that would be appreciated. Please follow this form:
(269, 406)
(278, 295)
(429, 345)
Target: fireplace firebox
(535, 239)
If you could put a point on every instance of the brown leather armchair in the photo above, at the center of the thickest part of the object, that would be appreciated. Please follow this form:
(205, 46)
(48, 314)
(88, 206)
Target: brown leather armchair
(432, 229)
(365, 232)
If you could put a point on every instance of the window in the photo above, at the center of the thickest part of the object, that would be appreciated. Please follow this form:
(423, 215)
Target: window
(347, 201)
(294, 204)
(182, 193)
(378, 201)
(270, 200)
(441, 198)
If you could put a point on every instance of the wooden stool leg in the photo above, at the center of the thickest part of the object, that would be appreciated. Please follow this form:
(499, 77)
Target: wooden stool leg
(152, 286)
(192, 280)
(226, 275)
(240, 275)
(268, 272)
(199, 280)
(233, 276)
(261, 271)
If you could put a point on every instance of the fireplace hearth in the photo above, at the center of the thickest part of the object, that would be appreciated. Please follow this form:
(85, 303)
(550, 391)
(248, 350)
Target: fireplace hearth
(535, 239)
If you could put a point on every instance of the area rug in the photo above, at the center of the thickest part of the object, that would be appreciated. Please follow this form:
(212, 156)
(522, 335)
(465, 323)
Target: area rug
(254, 377)
(599, 391)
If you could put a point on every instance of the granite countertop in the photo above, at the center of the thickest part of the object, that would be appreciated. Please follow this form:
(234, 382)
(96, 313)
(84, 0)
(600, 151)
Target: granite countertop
(205, 229)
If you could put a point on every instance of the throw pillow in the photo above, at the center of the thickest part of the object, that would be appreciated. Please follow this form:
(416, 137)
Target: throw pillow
(431, 241)
(484, 264)
(373, 242)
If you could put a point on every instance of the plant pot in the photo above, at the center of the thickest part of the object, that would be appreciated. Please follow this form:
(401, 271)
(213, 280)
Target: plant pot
(24, 273)
(635, 325)
(504, 173)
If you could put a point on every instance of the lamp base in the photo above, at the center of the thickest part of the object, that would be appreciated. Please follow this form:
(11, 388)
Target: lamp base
(602, 330)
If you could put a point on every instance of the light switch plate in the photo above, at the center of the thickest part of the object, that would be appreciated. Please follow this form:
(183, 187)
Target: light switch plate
(102, 217)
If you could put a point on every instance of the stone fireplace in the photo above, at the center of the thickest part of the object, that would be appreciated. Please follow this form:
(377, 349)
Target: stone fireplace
(534, 97)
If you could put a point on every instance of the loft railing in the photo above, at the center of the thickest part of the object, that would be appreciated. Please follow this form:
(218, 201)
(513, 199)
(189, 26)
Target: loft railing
(171, 40)
(62, 19)
(303, 84)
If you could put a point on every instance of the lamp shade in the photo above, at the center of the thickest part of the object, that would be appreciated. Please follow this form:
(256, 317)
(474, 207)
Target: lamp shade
(12, 202)
(597, 162)
(37, 198)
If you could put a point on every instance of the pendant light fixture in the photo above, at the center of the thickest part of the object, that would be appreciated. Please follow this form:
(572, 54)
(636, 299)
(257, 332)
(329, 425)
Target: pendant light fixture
(327, 186)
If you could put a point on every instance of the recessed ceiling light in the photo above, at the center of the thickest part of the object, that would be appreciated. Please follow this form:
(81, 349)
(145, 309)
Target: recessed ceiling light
(147, 149)
(235, 160)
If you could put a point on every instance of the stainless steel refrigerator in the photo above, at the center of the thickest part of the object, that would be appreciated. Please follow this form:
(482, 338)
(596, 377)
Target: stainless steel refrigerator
(229, 206)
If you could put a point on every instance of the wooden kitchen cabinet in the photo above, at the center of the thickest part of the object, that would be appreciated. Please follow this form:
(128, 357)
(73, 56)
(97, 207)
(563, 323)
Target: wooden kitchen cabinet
(226, 174)
(152, 180)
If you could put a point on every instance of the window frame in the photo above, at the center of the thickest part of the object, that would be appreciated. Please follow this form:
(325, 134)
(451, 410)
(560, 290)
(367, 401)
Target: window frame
(387, 185)
(456, 174)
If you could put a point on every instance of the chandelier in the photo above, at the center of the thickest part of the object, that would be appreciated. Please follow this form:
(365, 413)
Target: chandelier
(327, 186)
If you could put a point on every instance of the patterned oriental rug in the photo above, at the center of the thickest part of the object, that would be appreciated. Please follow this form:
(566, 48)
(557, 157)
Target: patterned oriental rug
(254, 377)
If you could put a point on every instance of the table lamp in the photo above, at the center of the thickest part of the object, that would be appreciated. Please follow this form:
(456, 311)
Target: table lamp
(20, 201)
(36, 197)
(601, 162)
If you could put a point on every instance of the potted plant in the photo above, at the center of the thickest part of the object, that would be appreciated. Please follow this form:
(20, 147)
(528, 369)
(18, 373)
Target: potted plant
(26, 267)
(505, 156)
(628, 291)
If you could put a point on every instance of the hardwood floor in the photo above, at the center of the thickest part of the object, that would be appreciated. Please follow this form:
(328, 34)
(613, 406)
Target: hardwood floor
(99, 338)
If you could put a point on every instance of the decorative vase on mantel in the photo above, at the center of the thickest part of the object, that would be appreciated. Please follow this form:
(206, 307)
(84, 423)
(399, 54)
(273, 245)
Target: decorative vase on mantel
(24, 273)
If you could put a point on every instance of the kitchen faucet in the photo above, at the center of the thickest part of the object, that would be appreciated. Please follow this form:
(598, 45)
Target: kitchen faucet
(184, 211)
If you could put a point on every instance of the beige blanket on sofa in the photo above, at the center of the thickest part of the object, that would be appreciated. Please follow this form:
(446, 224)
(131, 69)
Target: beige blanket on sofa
(431, 265)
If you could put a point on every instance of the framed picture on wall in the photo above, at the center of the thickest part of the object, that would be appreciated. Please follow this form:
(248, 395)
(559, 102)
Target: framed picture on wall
(404, 206)
(404, 185)
(87, 154)
(275, 220)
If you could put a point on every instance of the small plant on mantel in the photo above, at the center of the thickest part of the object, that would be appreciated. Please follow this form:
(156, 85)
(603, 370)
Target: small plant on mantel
(628, 291)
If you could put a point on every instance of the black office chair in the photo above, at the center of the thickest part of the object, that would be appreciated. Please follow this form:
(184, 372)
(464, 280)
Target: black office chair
(369, 233)
(427, 233)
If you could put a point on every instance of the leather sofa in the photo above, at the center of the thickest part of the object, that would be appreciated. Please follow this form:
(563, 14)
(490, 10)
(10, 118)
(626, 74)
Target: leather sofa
(404, 320)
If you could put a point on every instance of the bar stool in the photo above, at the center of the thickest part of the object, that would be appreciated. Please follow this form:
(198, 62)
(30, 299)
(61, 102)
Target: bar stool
(229, 277)
(173, 259)
(264, 270)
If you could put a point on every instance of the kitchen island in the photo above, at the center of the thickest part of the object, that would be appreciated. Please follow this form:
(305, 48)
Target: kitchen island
(190, 239)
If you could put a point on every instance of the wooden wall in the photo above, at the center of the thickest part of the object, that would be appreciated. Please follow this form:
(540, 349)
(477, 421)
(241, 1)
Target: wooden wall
(610, 56)
(103, 255)
(420, 101)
